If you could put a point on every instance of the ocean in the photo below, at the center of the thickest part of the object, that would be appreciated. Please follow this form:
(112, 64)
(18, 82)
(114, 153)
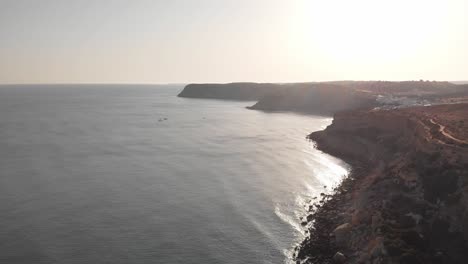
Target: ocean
(134, 174)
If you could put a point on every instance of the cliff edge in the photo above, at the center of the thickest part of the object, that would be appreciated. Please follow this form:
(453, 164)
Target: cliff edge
(243, 91)
(328, 98)
(406, 199)
(318, 98)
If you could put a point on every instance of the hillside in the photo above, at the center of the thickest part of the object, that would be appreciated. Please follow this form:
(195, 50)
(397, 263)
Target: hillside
(229, 91)
(406, 199)
(328, 98)
(319, 98)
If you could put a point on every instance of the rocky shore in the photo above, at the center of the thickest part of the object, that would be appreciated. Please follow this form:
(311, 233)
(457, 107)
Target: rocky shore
(406, 198)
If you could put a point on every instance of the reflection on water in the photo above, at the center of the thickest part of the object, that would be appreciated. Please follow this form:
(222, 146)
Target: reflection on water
(133, 174)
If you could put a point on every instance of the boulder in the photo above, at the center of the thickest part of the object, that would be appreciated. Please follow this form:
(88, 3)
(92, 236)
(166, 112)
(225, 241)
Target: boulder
(339, 258)
(341, 233)
(360, 217)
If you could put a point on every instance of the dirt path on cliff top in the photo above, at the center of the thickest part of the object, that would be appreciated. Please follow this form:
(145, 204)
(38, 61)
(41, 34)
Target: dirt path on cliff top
(446, 134)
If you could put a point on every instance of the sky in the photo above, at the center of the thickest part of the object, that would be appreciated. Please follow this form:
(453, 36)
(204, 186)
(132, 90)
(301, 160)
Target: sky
(176, 41)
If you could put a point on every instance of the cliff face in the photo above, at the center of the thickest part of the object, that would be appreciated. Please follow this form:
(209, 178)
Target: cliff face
(230, 91)
(406, 200)
(326, 98)
(315, 98)
(319, 98)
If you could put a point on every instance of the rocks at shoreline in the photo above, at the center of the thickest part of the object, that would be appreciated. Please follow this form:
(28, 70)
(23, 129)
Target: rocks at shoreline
(406, 199)
(339, 257)
(401, 202)
(341, 233)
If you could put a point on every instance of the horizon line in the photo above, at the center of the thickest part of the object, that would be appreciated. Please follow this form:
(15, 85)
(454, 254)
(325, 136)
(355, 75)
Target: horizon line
(186, 83)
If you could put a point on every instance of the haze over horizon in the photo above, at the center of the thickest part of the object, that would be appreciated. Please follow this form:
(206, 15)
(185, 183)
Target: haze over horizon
(124, 41)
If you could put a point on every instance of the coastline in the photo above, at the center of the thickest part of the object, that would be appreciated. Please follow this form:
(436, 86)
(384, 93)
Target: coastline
(404, 200)
(328, 212)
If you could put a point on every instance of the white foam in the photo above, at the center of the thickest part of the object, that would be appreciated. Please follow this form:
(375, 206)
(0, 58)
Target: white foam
(289, 220)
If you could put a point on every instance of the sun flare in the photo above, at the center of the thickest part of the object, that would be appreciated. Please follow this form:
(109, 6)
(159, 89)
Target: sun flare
(368, 30)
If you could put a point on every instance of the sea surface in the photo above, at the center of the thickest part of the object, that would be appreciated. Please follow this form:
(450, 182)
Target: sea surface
(134, 174)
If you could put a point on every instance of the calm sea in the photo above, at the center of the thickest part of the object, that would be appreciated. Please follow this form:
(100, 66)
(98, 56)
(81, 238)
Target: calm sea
(134, 174)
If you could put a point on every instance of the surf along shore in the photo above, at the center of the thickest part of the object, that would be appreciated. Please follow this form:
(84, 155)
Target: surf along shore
(406, 198)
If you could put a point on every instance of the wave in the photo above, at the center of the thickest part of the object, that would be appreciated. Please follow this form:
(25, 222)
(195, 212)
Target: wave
(289, 220)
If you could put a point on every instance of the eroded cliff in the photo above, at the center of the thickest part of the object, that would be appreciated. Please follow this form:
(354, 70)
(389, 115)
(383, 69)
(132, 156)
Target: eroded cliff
(230, 91)
(406, 199)
(328, 98)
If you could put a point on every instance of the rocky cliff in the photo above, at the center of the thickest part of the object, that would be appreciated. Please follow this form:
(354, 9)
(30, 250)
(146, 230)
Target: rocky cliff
(317, 98)
(406, 199)
(230, 91)
(327, 98)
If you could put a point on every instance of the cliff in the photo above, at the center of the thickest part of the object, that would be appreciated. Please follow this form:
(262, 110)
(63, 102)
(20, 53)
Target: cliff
(230, 91)
(328, 98)
(406, 199)
(317, 98)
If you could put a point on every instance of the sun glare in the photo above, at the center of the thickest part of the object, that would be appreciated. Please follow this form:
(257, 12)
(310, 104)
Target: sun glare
(370, 30)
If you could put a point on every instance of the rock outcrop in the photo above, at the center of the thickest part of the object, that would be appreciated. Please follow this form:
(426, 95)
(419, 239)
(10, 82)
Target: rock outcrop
(328, 98)
(406, 199)
(230, 91)
(319, 98)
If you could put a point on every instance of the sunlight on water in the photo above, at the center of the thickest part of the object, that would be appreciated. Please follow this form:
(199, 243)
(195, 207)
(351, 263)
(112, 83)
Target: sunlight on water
(328, 171)
(134, 174)
(290, 220)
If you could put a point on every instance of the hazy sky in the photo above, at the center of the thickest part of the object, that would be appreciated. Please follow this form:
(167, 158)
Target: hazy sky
(143, 41)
